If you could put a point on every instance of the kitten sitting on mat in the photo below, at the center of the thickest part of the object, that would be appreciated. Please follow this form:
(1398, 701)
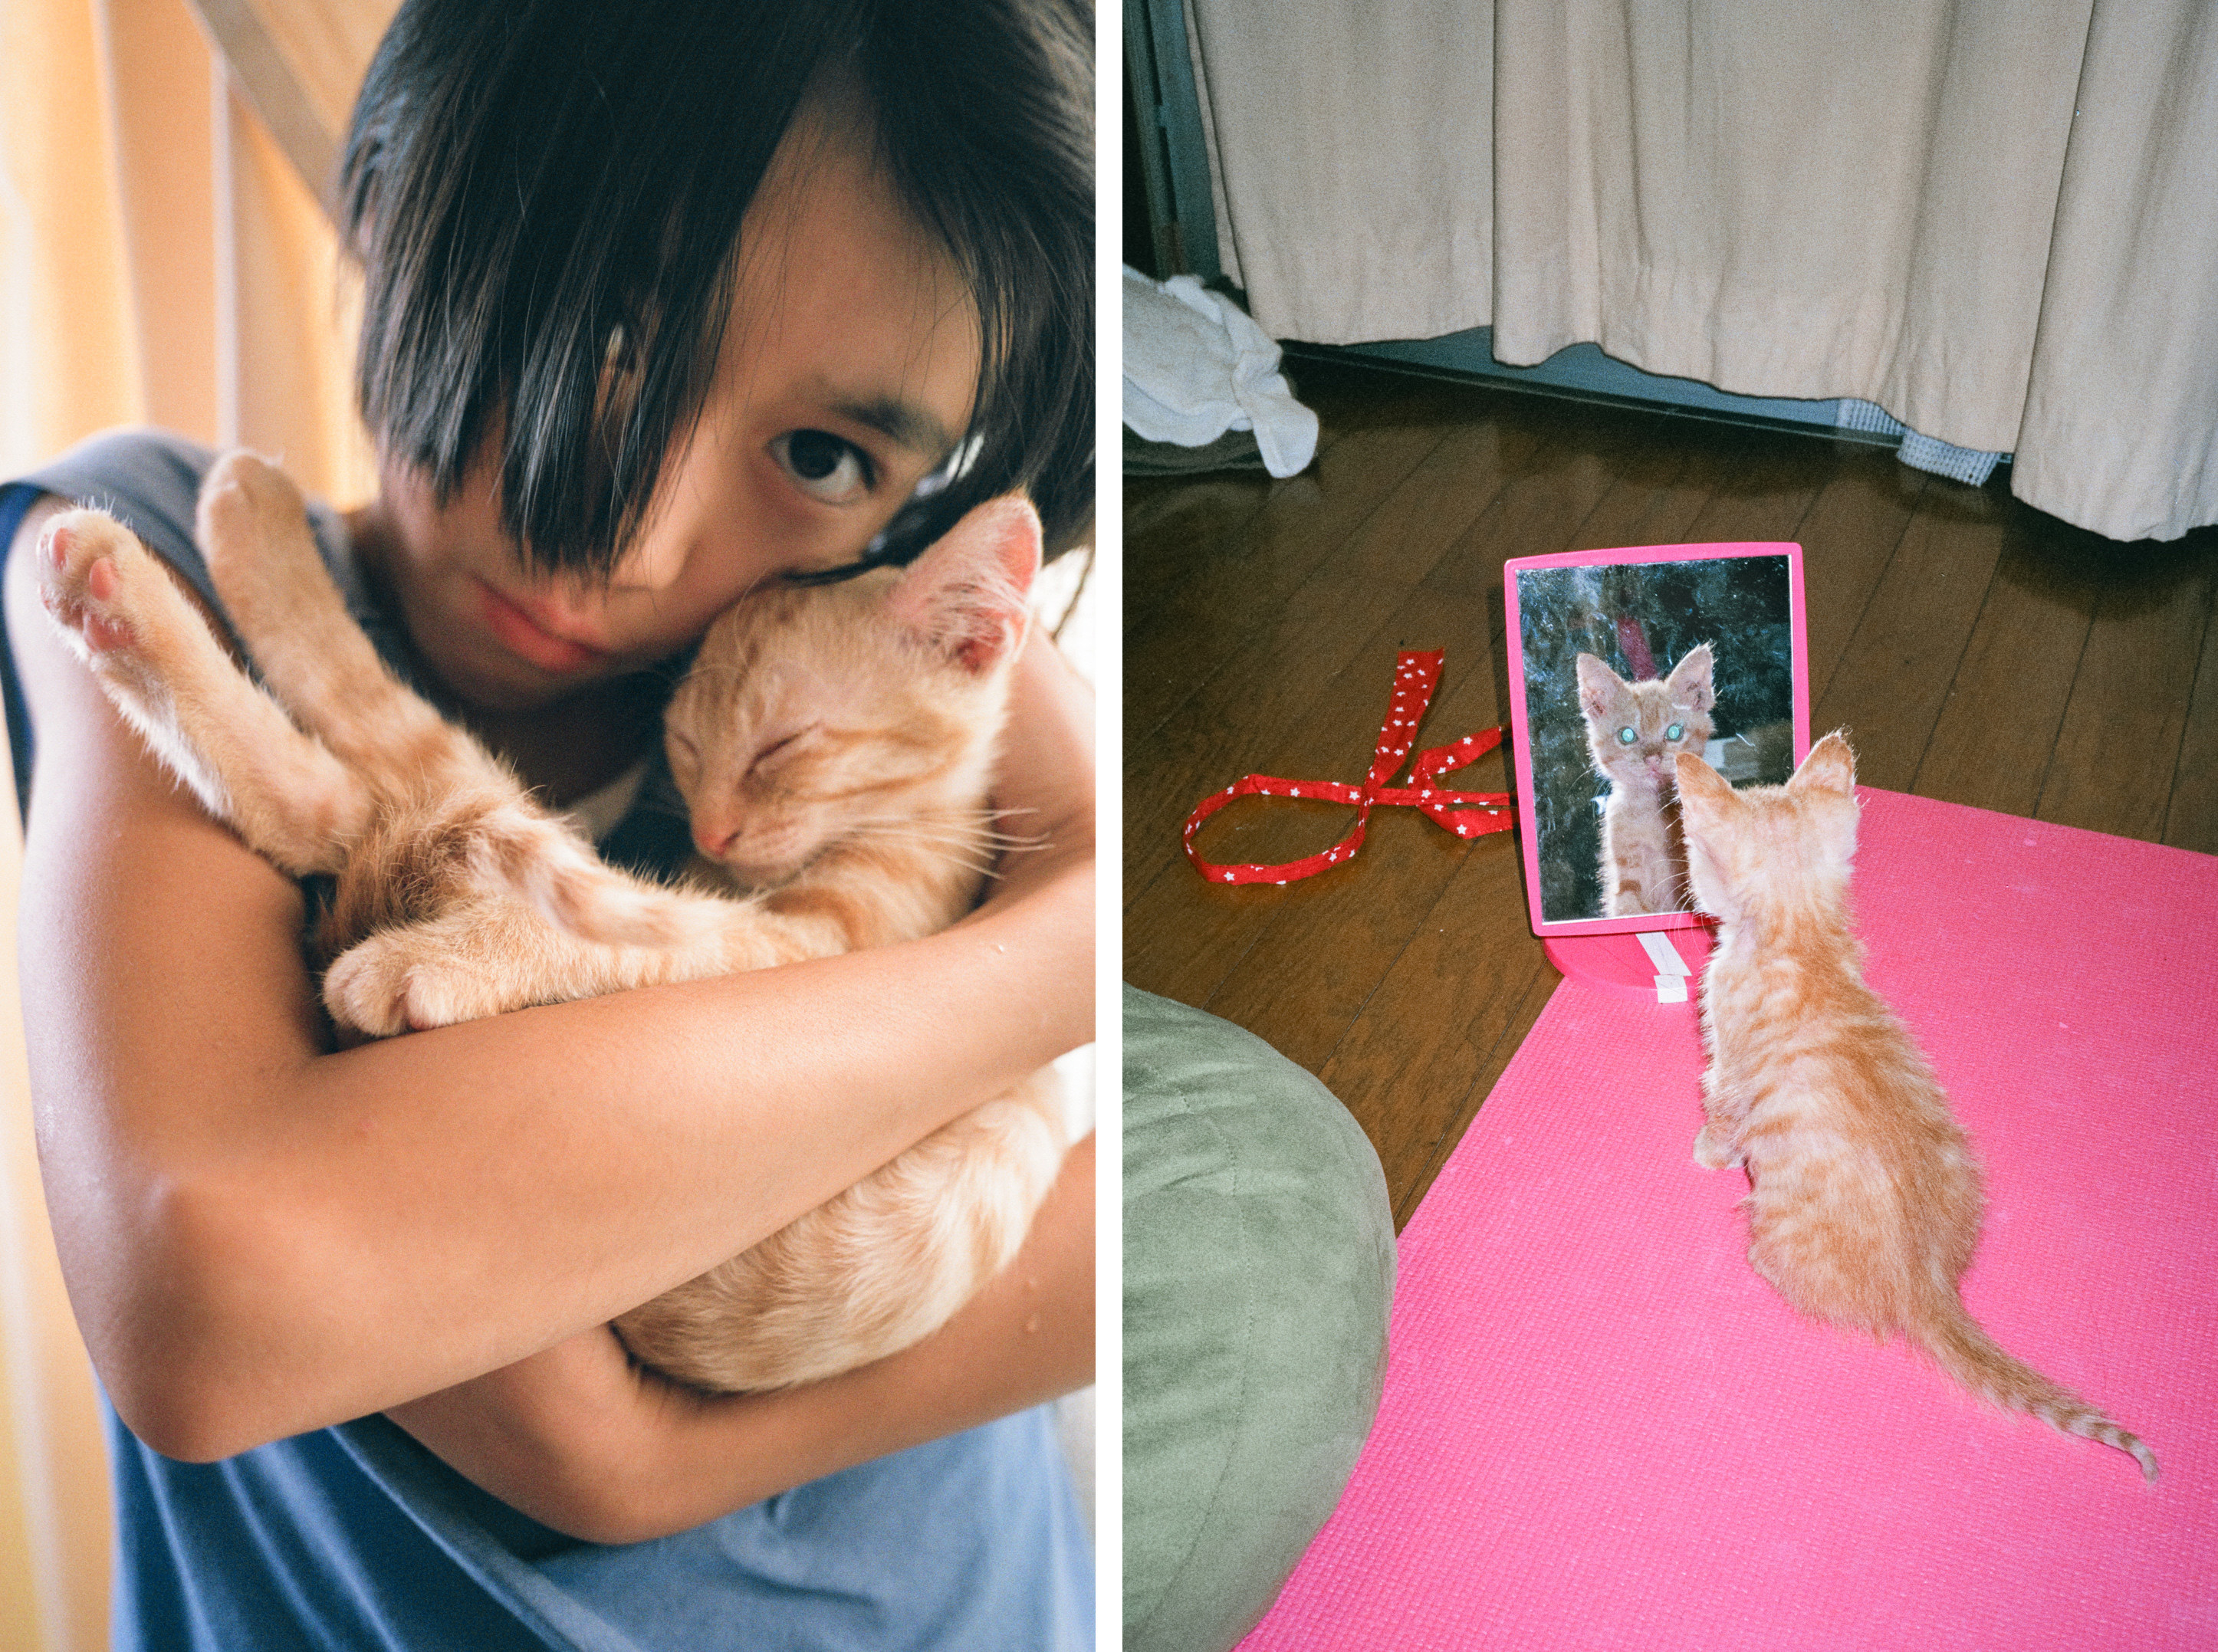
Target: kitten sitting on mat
(1634, 730)
(1864, 1199)
(833, 740)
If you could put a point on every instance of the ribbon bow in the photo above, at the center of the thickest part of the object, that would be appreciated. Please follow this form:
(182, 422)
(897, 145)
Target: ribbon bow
(1468, 814)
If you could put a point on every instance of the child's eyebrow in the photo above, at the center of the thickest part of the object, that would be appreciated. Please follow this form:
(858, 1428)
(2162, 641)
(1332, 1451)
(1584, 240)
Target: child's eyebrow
(915, 428)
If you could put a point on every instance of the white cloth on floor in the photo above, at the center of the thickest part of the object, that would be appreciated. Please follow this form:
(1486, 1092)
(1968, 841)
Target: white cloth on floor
(1196, 365)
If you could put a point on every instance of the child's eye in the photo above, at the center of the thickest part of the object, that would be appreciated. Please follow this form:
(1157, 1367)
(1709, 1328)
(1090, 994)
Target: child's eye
(823, 466)
(1675, 731)
(1626, 737)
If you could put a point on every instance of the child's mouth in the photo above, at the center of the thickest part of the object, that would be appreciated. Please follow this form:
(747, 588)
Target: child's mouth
(525, 634)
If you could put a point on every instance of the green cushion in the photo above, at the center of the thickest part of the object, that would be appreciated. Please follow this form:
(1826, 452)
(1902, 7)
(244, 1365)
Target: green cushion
(1259, 1268)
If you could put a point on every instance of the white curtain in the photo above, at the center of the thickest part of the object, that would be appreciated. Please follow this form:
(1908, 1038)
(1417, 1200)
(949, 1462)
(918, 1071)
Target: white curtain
(1996, 218)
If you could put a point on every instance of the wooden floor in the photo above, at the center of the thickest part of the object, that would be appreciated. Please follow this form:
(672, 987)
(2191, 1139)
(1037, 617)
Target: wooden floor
(1977, 651)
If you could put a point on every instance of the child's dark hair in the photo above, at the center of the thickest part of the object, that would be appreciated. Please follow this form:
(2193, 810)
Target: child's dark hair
(523, 179)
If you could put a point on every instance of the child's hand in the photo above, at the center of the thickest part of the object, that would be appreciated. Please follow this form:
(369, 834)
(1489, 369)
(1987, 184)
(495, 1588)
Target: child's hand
(1045, 783)
(1041, 905)
(542, 1432)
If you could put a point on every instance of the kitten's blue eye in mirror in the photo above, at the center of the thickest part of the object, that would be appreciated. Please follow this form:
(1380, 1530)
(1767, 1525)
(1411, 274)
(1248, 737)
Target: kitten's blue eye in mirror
(1674, 732)
(1626, 737)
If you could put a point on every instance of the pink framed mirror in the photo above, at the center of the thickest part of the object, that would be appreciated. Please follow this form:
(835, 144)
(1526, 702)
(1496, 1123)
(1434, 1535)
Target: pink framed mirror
(1619, 659)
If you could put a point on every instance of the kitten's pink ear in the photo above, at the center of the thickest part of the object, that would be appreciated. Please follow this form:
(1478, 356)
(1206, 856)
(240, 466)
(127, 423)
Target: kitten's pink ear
(1701, 787)
(966, 595)
(1598, 685)
(1690, 684)
(1830, 766)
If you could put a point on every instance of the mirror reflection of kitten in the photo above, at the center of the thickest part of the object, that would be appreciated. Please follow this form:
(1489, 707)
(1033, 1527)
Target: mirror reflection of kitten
(1636, 731)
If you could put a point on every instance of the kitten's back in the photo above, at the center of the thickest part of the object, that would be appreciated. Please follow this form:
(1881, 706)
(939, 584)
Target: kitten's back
(1865, 1200)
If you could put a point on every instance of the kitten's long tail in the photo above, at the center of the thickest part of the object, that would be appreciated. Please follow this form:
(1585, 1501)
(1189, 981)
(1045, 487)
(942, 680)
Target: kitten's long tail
(1967, 1353)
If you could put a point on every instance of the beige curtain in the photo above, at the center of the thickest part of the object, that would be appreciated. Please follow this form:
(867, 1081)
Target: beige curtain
(1351, 148)
(1993, 220)
(164, 259)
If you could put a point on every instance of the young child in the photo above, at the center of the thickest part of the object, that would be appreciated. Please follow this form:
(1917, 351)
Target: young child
(664, 298)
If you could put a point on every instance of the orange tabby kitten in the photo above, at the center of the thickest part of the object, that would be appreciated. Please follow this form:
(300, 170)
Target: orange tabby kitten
(1864, 1198)
(1634, 731)
(833, 740)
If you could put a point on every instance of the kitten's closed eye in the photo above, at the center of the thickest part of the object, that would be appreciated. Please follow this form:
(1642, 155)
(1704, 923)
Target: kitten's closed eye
(684, 756)
(786, 746)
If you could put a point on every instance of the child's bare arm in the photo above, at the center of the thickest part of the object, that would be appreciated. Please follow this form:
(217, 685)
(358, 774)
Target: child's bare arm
(582, 1441)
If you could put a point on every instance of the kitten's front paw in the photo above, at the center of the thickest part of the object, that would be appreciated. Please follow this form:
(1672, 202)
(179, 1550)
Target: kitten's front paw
(393, 982)
(245, 501)
(90, 570)
(1711, 1151)
(366, 988)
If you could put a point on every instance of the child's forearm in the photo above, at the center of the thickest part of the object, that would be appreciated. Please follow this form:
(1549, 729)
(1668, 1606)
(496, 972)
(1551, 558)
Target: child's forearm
(579, 1440)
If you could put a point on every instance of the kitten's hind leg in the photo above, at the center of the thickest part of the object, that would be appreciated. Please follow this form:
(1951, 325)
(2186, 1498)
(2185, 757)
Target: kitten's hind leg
(151, 650)
(253, 528)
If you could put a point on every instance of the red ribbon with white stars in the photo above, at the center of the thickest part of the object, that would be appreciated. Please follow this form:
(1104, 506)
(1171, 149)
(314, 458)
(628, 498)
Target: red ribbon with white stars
(1468, 814)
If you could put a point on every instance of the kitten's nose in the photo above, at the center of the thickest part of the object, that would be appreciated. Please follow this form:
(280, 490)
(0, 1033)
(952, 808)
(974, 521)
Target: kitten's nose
(712, 839)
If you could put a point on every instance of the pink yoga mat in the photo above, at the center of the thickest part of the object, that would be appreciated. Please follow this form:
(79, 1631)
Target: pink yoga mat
(1600, 1429)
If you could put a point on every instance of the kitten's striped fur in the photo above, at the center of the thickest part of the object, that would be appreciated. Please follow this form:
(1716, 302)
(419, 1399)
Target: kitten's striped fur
(1865, 1199)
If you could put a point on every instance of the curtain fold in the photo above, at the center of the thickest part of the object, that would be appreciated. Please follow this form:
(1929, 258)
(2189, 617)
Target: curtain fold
(165, 262)
(1993, 220)
(2121, 425)
(1350, 143)
(70, 355)
(1825, 202)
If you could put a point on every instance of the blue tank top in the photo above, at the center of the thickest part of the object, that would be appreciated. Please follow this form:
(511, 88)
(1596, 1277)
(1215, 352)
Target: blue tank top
(357, 1536)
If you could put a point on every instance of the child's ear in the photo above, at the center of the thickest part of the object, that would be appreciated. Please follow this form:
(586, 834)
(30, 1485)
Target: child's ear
(966, 595)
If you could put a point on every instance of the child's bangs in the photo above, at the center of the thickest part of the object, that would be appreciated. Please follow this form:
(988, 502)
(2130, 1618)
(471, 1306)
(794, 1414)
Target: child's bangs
(549, 278)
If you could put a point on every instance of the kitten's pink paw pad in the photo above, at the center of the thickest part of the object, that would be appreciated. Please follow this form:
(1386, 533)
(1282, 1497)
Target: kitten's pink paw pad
(84, 579)
(105, 634)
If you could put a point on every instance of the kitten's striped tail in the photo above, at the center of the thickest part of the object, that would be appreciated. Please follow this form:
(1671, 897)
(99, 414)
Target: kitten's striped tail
(1967, 1353)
